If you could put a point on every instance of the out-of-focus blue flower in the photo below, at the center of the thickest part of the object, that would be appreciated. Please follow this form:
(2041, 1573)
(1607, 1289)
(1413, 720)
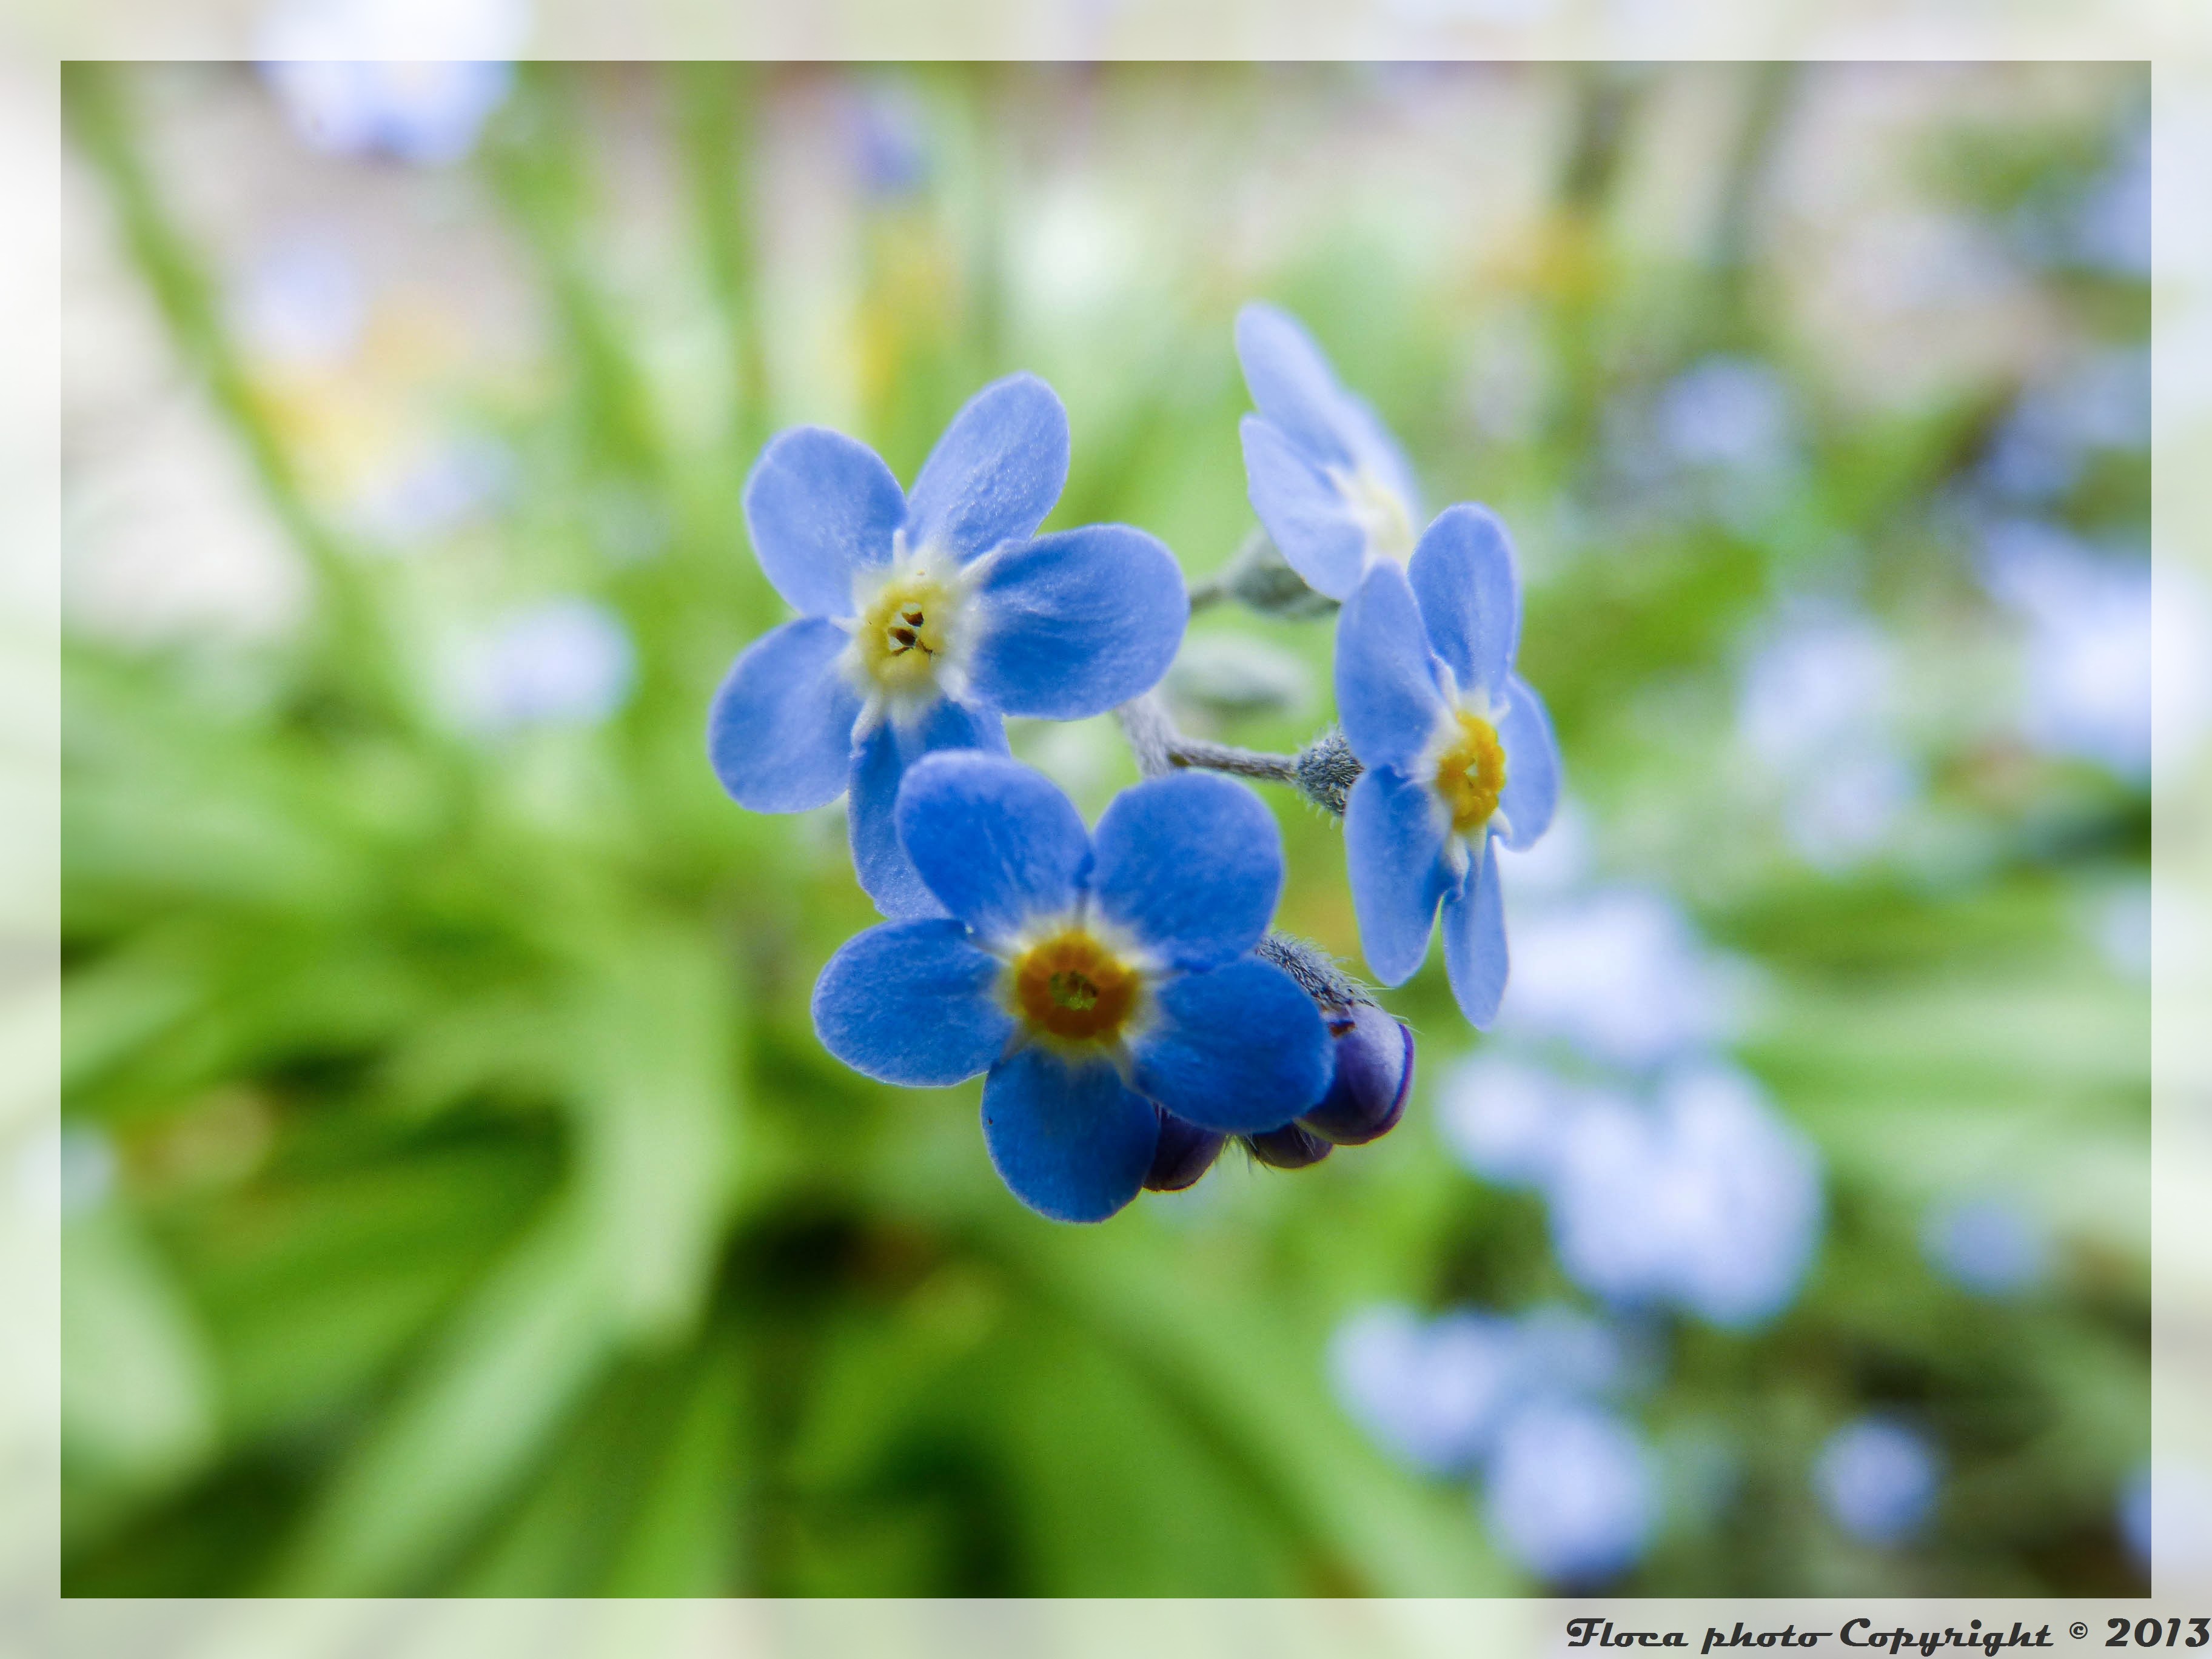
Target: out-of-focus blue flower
(300, 304)
(2099, 404)
(84, 1168)
(1571, 1493)
(1458, 751)
(560, 662)
(1709, 1201)
(1986, 1245)
(1505, 1119)
(1622, 975)
(2119, 922)
(890, 140)
(1818, 706)
(437, 488)
(2165, 1519)
(1092, 975)
(415, 80)
(1571, 1353)
(1434, 1392)
(2088, 672)
(1878, 1479)
(925, 619)
(2134, 1518)
(1431, 1393)
(1732, 412)
(1325, 478)
(2111, 226)
(1819, 679)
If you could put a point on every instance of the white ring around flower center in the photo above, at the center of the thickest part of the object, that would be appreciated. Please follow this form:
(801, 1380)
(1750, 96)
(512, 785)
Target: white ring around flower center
(914, 629)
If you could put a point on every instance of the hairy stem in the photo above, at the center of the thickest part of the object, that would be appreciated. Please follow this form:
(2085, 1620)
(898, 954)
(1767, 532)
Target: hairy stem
(1324, 772)
(1161, 749)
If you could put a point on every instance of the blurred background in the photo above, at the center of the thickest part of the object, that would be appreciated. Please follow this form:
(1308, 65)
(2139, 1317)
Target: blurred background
(455, 1198)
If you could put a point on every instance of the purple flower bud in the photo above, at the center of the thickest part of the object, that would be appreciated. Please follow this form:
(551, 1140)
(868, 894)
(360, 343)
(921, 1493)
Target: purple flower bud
(1290, 1148)
(1373, 1075)
(1185, 1152)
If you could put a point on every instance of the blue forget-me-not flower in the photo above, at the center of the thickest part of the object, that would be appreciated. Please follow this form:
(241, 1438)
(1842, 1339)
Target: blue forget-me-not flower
(1519, 1399)
(1325, 478)
(925, 618)
(1572, 1493)
(1099, 979)
(1878, 1478)
(1457, 748)
(415, 80)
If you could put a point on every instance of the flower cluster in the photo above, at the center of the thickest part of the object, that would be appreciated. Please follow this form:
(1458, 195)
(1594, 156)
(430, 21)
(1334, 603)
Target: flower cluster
(1120, 987)
(1524, 1403)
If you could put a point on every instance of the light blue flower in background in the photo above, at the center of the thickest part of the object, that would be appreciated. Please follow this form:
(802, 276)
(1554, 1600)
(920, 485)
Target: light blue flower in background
(1707, 1199)
(439, 486)
(300, 303)
(85, 1167)
(1325, 478)
(560, 662)
(1622, 975)
(1819, 705)
(2165, 1519)
(1092, 975)
(925, 619)
(890, 135)
(1506, 1119)
(1434, 1392)
(415, 80)
(1731, 412)
(2111, 228)
(1878, 1479)
(1987, 1245)
(2119, 922)
(2100, 404)
(2086, 677)
(1572, 1494)
(1458, 752)
(1431, 1393)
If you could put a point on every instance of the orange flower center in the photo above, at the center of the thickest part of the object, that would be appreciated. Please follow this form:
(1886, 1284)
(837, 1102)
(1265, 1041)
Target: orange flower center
(1471, 773)
(1071, 987)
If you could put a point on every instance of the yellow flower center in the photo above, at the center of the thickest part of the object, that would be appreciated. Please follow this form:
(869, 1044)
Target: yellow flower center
(1471, 773)
(902, 632)
(1071, 987)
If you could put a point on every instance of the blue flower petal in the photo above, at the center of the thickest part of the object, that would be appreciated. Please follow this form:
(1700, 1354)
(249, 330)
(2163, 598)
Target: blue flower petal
(1386, 695)
(1069, 1141)
(1304, 514)
(819, 508)
(1292, 383)
(780, 731)
(1376, 452)
(994, 840)
(1240, 1050)
(1532, 764)
(1474, 941)
(1395, 833)
(879, 766)
(913, 1003)
(996, 471)
(1470, 596)
(1076, 623)
(1191, 864)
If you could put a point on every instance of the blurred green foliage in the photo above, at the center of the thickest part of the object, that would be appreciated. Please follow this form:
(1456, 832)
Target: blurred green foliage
(488, 1220)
